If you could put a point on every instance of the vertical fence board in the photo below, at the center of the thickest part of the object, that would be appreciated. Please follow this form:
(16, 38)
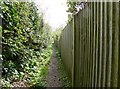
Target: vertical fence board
(89, 56)
(119, 52)
(82, 45)
(77, 51)
(94, 46)
(88, 62)
(100, 42)
(80, 37)
(92, 38)
(104, 44)
(108, 80)
(97, 47)
(115, 44)
(85, 61)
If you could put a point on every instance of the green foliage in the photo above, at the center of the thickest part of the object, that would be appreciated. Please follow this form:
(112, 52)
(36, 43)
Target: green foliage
(65, 80)
(34, 71)
(23, 40)
(17, 26)
(57, 33)
(5, 83)
(72, 7)
(39, 76)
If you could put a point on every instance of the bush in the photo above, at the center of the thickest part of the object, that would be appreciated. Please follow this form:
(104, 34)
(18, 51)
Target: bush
(23, 39)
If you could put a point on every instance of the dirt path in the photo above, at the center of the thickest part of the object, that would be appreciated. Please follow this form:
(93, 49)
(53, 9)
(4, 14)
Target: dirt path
(53, 78)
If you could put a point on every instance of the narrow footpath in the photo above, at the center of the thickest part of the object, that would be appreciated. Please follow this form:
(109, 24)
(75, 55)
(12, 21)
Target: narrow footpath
(53, 78)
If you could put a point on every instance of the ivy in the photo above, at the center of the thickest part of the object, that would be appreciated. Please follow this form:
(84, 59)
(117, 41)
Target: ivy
(23, 38)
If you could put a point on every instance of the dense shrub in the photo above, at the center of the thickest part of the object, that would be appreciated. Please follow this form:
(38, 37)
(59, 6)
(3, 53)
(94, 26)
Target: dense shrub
(23, 38)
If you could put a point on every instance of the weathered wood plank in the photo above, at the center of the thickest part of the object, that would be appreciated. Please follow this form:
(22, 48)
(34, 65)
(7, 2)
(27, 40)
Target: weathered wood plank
(115, 50)
(109, 60)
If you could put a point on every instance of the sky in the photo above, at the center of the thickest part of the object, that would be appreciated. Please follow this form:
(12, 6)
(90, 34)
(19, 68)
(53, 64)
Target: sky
(54, 12)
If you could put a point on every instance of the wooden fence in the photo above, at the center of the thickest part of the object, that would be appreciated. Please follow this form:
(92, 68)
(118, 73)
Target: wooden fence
(90, 46)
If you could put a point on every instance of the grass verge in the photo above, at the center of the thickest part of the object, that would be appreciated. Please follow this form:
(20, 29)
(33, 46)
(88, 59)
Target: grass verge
(65, 80)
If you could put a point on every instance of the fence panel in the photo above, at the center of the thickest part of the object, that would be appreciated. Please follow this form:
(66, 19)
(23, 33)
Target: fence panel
(66, 48)
(90, 46)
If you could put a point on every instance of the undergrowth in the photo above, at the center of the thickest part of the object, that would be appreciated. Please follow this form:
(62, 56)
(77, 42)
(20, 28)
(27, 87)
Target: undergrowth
(34, 72)
(65, 80)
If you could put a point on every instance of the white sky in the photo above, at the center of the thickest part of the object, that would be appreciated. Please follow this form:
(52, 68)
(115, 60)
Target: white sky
(54, 11)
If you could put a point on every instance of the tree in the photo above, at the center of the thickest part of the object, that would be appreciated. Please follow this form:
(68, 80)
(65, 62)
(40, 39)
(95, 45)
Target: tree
(74, 7)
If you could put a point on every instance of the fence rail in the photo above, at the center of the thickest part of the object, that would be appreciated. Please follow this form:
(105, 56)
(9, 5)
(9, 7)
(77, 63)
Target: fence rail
(90, 46)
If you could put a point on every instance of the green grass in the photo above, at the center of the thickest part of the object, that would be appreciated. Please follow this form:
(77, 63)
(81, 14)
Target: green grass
(65, 80)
